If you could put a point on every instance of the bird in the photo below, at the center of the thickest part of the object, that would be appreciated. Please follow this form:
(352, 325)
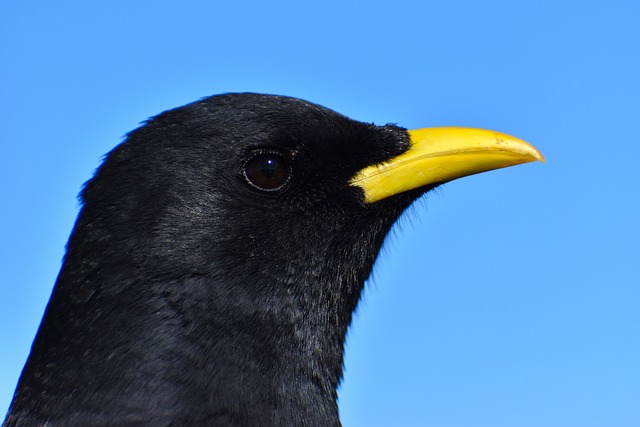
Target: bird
(217, 259)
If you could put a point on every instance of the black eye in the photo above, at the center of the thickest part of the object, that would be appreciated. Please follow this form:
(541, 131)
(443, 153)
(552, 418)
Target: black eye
(267, 171)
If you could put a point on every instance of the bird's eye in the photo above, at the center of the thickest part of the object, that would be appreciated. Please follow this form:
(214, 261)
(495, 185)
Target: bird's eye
(267, 171)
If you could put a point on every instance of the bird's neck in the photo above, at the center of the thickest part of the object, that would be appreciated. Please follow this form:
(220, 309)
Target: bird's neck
(197, 349)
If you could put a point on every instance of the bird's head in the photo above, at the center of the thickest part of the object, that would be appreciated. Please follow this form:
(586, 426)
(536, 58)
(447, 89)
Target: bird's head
(204, 188)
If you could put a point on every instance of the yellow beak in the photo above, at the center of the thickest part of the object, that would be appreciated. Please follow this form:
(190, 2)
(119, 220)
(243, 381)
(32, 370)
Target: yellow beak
(438, 155)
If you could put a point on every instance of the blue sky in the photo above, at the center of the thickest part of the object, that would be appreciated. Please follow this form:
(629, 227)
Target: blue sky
(504, 299)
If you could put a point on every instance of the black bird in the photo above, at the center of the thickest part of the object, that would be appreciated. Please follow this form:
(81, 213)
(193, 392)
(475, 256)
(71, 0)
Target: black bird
(221, 249)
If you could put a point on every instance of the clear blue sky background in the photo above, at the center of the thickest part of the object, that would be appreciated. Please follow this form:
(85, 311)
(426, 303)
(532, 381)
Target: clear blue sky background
(505, 299)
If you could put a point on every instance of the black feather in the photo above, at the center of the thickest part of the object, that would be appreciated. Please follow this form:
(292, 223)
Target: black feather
(188, 296)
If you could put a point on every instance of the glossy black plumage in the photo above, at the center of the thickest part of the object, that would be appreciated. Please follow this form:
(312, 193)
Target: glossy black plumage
(188, 296)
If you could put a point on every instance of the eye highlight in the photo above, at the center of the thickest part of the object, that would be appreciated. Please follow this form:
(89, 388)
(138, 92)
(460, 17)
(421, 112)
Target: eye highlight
(267, 171)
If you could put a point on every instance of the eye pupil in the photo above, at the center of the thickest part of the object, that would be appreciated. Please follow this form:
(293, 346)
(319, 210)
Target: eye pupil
(267, 171)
